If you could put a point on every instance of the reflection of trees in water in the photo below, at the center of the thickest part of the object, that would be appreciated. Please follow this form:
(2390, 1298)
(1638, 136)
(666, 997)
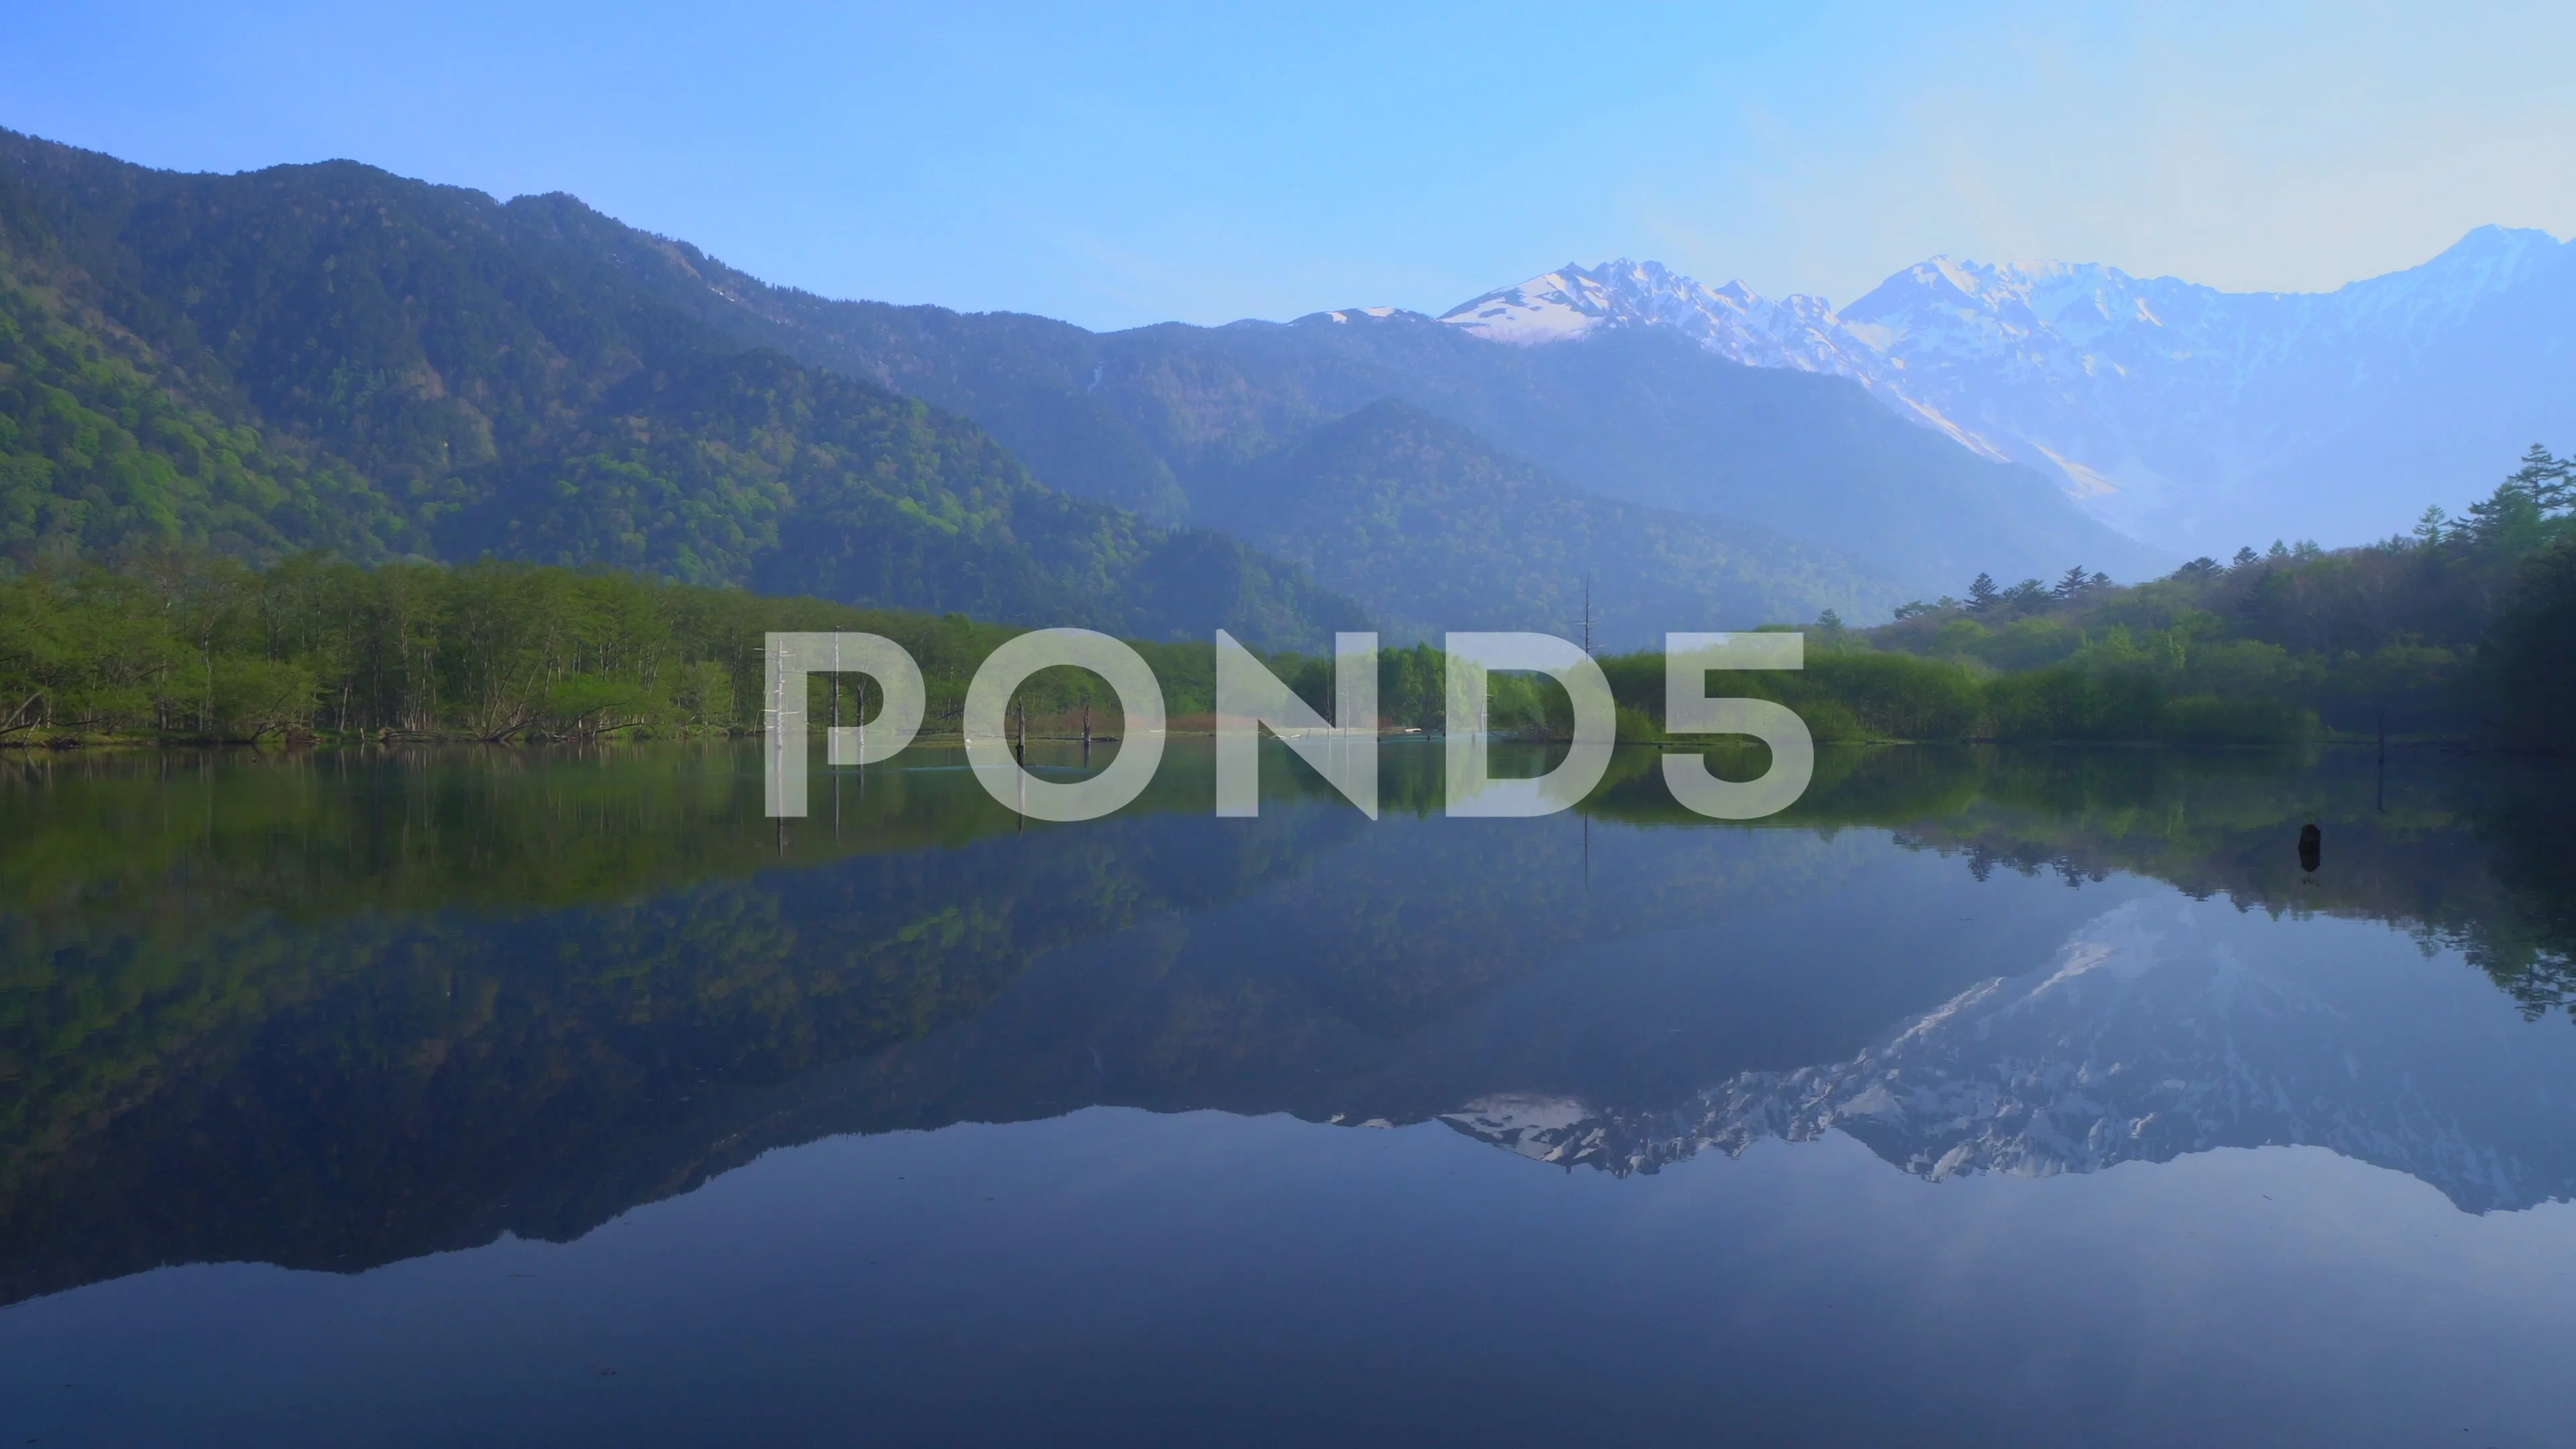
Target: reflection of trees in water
(260, 1034)
(294, 1011)
(2473, 855)
(2530, 849)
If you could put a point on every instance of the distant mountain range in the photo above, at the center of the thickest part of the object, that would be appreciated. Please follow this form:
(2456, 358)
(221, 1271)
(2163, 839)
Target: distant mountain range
(1161, 419)
(2193, 419)
(334, 357)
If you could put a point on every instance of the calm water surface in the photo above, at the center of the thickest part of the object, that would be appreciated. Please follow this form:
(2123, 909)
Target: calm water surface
(1987, 1097)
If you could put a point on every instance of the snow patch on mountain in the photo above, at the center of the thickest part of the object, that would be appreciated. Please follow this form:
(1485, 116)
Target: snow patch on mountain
(2183, 415)
(1732, 321)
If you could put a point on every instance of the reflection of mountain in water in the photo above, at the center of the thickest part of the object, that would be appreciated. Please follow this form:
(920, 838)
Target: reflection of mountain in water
(331, 1012)
(2165, 1027)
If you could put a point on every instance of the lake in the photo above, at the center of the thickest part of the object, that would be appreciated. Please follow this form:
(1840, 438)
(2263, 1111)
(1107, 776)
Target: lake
(552, 1096)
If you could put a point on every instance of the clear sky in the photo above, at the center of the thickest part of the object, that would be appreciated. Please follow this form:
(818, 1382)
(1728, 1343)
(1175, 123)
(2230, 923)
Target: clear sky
(1118, 164)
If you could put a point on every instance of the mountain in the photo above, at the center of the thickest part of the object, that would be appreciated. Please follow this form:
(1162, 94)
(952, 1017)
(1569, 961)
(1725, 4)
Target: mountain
(1797, 332)
(334, 357)
(2195, 419)
(1437, 530)
(1159, 419)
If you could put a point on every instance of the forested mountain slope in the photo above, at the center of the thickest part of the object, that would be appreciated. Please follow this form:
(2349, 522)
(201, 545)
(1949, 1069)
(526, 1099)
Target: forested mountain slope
(333, 357)
(1438, 530)
(1151, 418)
(329, 356)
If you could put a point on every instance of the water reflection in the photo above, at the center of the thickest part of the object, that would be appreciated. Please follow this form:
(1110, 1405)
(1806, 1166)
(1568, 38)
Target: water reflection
(2164, 1027)
(336, 1010)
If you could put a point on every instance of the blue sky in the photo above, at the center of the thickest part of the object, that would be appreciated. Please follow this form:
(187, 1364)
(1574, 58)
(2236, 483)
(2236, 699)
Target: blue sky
(1117, 165)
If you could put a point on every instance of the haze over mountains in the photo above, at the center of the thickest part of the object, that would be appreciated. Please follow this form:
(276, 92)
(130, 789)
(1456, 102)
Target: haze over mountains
(2194, 419)
(1831, 500)
(334, 357)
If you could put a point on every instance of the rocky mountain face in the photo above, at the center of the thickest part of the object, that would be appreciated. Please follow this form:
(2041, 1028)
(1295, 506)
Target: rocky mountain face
(1797, 332)
(2189, 417)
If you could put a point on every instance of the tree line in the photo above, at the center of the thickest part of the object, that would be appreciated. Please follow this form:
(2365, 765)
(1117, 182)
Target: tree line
(189, 646)
(2461, 627)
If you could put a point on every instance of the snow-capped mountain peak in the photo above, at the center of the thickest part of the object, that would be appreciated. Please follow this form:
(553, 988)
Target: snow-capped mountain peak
(1571, 301)
(1547, 308)
(2189, 417)
(1733, 321)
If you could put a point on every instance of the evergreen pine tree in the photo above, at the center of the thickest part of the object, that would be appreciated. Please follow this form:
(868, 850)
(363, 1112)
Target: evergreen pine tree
(2543, 477)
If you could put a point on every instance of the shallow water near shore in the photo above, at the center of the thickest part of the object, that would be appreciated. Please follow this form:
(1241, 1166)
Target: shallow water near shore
(1987, 1096)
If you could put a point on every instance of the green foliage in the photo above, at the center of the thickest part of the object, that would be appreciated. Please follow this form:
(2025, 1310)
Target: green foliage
(1439, 531)
(329, 358)
(2530, 660)
(2451, 629)
(1891, 696)
(2066, 703)
(2110, 691)
(195, 646)
(96, 453)
(1640, 417)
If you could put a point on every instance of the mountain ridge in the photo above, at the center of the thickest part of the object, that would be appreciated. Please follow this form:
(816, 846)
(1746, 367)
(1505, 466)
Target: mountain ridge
(453, 365)
(1515, 546)
(2190, 417)
(333, 357)
(1150, 416)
